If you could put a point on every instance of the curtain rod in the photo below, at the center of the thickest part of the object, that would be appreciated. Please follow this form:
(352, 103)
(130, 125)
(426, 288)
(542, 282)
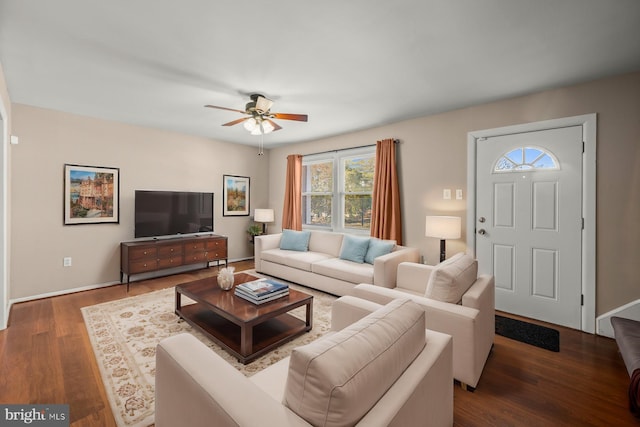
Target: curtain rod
(395, 141)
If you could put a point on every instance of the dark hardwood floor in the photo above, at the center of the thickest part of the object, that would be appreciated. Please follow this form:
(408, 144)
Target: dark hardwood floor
(46, 357)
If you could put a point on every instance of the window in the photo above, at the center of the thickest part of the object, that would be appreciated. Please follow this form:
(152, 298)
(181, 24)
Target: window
(526, 159)
(337, 190)
(317, 192)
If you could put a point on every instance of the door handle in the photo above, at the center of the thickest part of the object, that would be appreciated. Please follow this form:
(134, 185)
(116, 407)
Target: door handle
(482, 232)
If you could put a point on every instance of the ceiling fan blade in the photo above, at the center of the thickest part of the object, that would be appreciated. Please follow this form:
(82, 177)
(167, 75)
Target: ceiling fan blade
(274, 124)
(225, 108)
(235, 122)
(286, 116)
(263, 104)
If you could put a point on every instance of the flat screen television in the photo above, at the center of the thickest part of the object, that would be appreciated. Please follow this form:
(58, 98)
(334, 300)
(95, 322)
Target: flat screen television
(169, 213)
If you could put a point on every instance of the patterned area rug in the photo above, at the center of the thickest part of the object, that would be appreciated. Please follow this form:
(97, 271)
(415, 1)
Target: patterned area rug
(124, 335)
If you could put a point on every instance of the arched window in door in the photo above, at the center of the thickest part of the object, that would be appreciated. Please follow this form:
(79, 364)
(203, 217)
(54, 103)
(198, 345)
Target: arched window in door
(526, 159)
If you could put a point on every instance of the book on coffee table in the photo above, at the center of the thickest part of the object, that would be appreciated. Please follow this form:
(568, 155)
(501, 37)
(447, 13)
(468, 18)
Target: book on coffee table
(262, 287)
(261, 300)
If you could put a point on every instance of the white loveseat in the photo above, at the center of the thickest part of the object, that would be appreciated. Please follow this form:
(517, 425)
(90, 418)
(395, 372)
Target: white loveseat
(322, 265)
(456, 302)
(383, 370)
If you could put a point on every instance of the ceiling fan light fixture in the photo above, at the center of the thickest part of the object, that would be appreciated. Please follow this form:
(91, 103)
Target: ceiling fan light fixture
(259, 115)
(250, 124)
(258, 126)
(266, 127)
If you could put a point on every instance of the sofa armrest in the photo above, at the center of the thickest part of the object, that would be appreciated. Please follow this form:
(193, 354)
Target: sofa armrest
(347, 310)
(195, 387)
(377, 294)
(481, 294)
(385, 267)
(414, 276)
(263, 243)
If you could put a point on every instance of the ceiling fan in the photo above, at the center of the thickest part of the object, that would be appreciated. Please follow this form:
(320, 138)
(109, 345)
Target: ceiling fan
(259, 114)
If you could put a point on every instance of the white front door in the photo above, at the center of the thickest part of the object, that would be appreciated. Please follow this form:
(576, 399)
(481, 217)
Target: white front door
(529, 221)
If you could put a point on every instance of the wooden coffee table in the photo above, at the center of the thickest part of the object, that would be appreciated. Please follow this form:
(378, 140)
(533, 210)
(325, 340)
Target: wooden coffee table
(244, 329)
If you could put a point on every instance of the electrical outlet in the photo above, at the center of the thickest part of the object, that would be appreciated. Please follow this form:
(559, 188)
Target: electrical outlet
(446, 194)
(66, 261)
(458, 194)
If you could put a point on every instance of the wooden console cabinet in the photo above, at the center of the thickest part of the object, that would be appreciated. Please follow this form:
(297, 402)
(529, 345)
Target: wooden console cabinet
(143, 256)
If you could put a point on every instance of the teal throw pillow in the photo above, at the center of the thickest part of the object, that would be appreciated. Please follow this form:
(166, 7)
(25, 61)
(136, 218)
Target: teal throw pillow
(354, 248)
(377, 248)
(293, 240)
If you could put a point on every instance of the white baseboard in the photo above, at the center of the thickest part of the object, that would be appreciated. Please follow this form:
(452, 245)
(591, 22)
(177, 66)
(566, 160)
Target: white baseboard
(6, 316)
(177, 270)
(627, 311)
(62, 292)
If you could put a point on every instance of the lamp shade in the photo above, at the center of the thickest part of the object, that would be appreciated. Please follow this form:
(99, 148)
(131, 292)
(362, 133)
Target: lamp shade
(250, 124)
(263, 215)
(443, 227)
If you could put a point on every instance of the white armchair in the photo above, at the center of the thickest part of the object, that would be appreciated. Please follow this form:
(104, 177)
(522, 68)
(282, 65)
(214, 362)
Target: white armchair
(469, 319)
(377, 367)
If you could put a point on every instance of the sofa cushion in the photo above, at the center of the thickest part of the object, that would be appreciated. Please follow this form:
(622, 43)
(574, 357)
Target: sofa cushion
(305, 260)
(451, 279)
(325, 242)
(341, 269)
(378, 247)
(295, 259)
(278, 256)
(354, 248)
(294, 240)
(336, 380)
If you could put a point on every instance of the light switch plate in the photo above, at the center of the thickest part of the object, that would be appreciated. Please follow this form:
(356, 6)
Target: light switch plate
(446, 194)
(458, 194)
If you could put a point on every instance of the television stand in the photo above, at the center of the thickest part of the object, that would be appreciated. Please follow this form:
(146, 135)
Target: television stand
(144, 256)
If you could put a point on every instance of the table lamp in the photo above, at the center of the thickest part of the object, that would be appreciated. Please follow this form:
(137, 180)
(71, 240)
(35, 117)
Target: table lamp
(443, 227)
(264, 216)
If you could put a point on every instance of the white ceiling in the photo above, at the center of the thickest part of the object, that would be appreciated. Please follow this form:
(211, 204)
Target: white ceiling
(349, 65)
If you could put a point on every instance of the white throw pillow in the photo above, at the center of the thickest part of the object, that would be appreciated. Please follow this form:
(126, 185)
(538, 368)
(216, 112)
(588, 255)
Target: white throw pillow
(336, 380)
(452, 278)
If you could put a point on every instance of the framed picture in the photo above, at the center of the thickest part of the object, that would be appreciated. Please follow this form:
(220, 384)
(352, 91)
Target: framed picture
(91, 195)
(235, 195)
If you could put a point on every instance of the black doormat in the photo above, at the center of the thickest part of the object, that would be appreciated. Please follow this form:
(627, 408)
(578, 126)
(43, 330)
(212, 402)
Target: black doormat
(528, 333)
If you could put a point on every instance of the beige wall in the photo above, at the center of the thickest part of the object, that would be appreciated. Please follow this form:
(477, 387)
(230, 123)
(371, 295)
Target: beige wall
(432, 156)
(147, 158)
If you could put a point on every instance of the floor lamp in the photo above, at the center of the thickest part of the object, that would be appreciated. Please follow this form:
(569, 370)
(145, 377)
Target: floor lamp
(443, 227)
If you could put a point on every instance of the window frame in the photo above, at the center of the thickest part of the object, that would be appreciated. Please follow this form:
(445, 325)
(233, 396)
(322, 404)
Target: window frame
(526, 166)
(338, 194)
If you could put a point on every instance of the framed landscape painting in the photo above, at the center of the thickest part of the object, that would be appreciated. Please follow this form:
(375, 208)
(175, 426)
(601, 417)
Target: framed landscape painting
(235, 196)
(91, 195)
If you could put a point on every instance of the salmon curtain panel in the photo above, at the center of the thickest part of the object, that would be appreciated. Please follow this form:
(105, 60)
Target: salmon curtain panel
(292, 210)
(386, 221)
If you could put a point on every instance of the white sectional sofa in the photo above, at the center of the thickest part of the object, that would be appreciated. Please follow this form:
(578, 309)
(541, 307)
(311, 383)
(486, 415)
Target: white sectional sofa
(377, 369)
(330, 262)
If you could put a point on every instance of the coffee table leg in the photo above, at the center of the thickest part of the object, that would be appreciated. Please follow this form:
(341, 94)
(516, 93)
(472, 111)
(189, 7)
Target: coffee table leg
(246, 340)
(310, 315)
